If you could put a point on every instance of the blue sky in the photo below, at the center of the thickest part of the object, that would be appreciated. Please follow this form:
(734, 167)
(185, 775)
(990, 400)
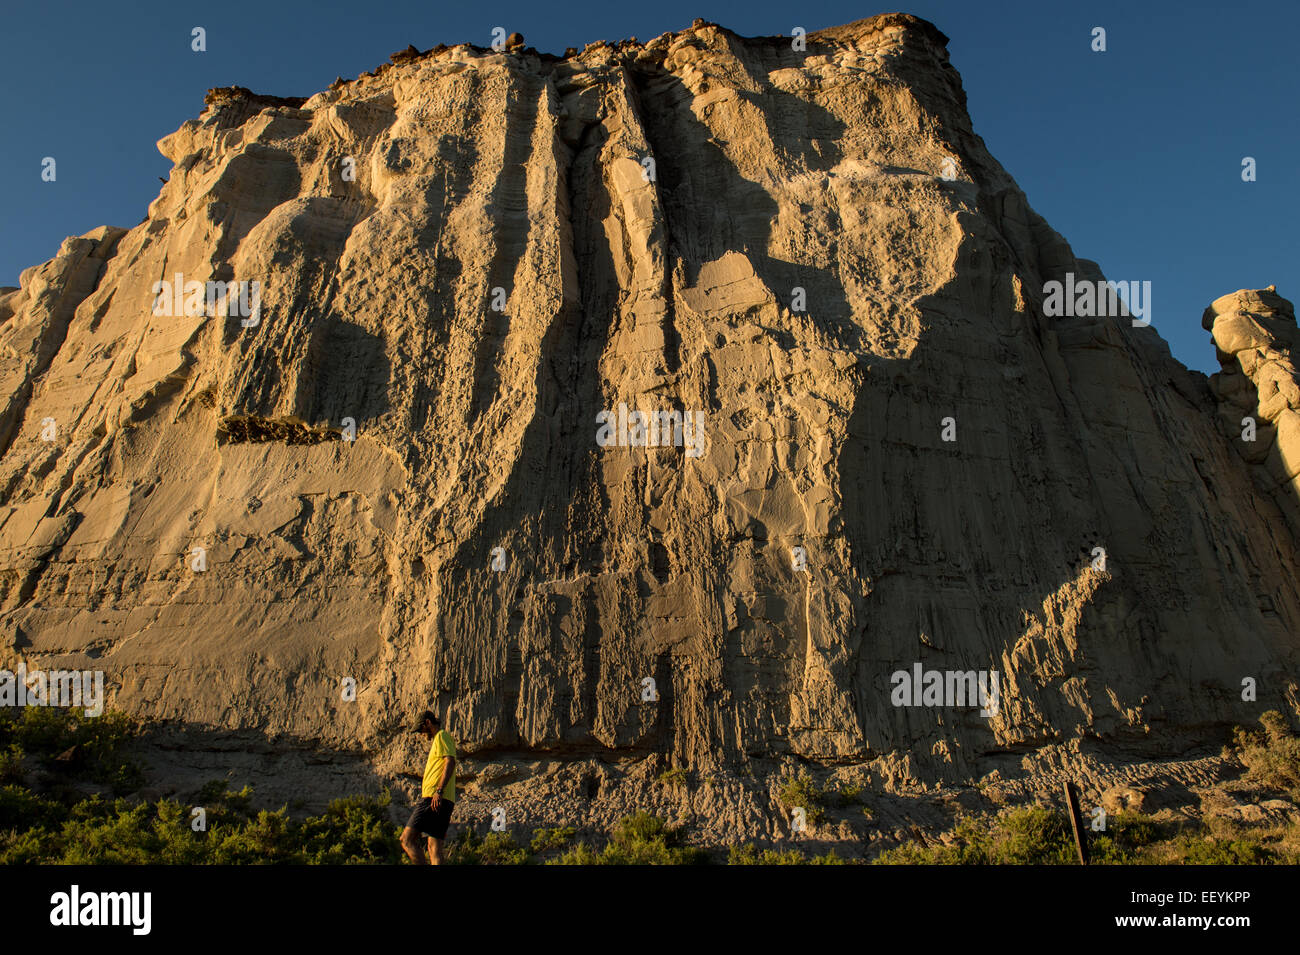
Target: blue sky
(1134, 155)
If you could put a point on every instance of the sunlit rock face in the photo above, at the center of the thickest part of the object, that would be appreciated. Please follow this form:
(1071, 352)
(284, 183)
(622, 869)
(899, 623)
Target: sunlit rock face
(652, 406)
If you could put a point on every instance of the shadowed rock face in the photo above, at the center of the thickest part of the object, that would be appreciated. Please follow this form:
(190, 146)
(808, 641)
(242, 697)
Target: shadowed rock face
(812, 252)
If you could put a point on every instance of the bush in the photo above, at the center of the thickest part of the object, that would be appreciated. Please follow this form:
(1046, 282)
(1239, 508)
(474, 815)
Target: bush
(581, 854)
(802, 791)
(500, 848)
(23, 848)
(109, 834)
(215, 797)
(1033, 836)
(643, 839)
(352, 831)
(496, 848)
(672, 777)
(267, 838)
(639, 839)
(1027, 836)
(1126, 839)
(76, 745)
(1197, 850)
(640, 827)
(1271, 758)
(846, 795)
(11, 765)
(799, 791)
(750, 855)
(21, 809)
(545, 840)
(1039, 836)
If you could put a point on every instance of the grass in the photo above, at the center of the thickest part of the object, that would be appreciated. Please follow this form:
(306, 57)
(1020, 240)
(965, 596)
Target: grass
(639, 839)
(1037, 835)
(544, 840)
(65, 780)
(750, 854)
(97, 831)
(495, 848)
(50, 758)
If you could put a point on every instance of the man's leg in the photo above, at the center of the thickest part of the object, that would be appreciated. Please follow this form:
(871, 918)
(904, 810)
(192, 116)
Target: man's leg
(435, 852)
(412, 846)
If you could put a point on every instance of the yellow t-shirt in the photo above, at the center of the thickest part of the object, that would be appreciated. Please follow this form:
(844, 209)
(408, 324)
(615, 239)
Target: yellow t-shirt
(443, 746)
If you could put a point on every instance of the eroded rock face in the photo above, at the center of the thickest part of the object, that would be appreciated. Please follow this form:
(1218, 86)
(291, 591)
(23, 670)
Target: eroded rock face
(466, 258)
(1259, 388)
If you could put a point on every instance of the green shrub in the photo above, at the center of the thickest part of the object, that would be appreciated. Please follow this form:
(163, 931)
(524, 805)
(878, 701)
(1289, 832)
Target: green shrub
(1128, 834)
(1271, 758)
(672, 777)
(109, 834)
(640, 827)
(223, 805)
(21, 809)
(639, 839)
(92, 747)
(802, 791)
(799, 791)
(749, 854)
(1034, 836)
(1027, 836)
(1037, 836)
(24, 848)
(11, 764)
(464, 849)
(560, 837)
(352, 831)
(496, 848)
(500, 848)
(830, 858)
(176, 842)
(1193, 850)
(263, 840)
(581, 854)
(644, 839)
(847, 795)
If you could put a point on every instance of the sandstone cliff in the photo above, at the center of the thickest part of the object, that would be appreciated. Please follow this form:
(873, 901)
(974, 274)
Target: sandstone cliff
(393, 472)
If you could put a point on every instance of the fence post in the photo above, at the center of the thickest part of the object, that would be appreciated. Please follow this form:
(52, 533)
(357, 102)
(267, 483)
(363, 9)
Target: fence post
(1076, 821)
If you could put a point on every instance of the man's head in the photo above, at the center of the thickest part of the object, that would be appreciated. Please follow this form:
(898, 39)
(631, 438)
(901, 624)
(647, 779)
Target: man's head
(428, 724)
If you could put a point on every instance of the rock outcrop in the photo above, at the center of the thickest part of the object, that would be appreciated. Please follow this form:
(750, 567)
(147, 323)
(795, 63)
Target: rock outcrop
(1259, 388)
(390, 469)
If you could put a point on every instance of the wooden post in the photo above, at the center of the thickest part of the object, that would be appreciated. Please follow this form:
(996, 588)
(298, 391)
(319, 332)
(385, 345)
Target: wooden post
(1076, 821)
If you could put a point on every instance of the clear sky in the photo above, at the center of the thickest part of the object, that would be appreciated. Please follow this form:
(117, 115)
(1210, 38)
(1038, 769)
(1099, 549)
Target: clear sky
(1134, 154)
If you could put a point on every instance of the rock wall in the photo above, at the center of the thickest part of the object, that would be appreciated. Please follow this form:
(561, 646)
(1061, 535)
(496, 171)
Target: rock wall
(393, 468)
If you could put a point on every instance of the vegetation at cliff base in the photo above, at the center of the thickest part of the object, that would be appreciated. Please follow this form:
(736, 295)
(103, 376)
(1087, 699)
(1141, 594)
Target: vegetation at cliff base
(67, 785)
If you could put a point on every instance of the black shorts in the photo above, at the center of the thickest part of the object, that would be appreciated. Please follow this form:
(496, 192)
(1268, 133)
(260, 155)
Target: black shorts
(429, 821)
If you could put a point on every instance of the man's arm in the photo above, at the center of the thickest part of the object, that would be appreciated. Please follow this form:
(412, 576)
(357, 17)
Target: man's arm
(447, 768)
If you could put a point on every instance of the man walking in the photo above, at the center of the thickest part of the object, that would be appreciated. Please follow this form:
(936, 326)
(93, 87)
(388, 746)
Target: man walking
(437, 794)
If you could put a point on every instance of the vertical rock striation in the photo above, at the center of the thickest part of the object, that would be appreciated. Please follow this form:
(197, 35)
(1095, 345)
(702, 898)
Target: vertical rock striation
(811, 252)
